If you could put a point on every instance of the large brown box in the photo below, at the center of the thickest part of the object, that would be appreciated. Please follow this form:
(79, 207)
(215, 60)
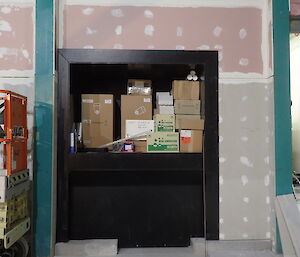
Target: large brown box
(179, 117)
(197, 124)
(191, 141)
(97, 113)
(135, 107)
(187, 107)
(186, 90)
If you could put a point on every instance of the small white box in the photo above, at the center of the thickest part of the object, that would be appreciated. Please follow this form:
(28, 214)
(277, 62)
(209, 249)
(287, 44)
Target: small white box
(134, 127)
(164, 98)
(165, 109)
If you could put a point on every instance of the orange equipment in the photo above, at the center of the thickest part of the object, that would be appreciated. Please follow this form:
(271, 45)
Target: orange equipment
(13, 132)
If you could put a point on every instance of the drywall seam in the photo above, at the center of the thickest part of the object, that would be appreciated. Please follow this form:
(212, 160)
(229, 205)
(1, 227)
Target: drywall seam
(171, 3)
(16, 81)
(16, 73)
(61, 6)
(246, 81)
(18, 2)
(241, 75)
(33, 22)
(264, 38)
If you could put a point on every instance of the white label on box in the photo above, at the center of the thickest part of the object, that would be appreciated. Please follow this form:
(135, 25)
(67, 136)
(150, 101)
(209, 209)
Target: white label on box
(186, 133)
(147, 100)
(108, 101)
(88, 101)
(137, 127)
(87, 121)
(164, 109)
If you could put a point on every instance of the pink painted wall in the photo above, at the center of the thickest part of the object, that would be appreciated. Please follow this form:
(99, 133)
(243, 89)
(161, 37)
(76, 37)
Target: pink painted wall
(16, 37)
(235, 32)
(295, 7)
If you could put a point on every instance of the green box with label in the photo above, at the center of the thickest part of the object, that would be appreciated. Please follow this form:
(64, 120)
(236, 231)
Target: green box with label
(163, 142)
(164, 123)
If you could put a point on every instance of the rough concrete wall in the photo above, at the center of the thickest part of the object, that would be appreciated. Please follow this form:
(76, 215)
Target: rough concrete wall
(17, 54)
(241, 32)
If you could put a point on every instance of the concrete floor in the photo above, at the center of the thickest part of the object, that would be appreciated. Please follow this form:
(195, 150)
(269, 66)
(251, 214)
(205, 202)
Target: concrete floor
(248, 248)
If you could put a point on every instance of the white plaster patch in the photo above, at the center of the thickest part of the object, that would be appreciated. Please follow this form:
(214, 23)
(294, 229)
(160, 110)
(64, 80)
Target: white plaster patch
(221, 221)
(267, 160)
(151, 46)
(220, 69)
(180, 47)
(118, 46)
(245, 219)
(25, 53)
(221, 180)
(268, 200)
(243, 33)
(148, 14)
(245, 235)
(246, 199)
(88, 47)
(220, 139)
(244, 139)
(243, 119)
(267, 118)
(117, 13)
(118, 30)
(89, 31)
(268, 235)
(149, 30)
(222, 159)
(8, 51)
(244, 62)
(244, 98)
(267, 180)
(5, 26)
(217, 31)
(245, 161)
(179, 31)
(218, 47)
(266, 98)
(268, 219)
(221, 236)
(267, 140)
(220, 56)
(244, 180)
(6, 10)
(220, 119)
(203, 47)
(87, 11)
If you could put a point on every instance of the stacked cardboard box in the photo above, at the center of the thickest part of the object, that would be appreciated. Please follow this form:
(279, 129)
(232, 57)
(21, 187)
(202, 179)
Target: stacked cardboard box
(187, 109)
(97, 119)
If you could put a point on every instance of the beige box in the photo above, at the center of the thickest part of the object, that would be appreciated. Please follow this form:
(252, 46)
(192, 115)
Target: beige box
(163, 142)
(164, 123)
(191, 141)
(187, 107)
(135, 107)
(165, 109)
(179, 117)
(196, 124)
(97, 113)
(186, 90)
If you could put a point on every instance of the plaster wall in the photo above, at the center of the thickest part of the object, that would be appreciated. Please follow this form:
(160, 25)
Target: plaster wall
(242, 33)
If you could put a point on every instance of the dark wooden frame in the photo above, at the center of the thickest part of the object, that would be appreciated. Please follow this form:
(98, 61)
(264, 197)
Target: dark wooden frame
(209, 59)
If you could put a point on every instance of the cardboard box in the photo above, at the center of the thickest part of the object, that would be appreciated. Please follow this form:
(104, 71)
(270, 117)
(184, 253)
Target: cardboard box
(164, 123)
(179, 117)
(163, 142)
(186, 90)
(97, 112)
(164, 98)
(165, 109)
(187, 106)
(135, 107)
(191, 141)
(140, 146)
(134, 127)
(195, 124)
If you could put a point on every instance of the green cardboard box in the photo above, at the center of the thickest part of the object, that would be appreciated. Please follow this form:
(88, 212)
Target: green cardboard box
(164, 123)
(163, 142)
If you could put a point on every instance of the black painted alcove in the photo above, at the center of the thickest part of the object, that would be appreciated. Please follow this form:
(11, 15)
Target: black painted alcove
(142, 199)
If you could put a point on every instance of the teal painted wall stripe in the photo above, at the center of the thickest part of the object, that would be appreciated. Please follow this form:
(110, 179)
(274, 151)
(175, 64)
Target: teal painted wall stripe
(282, 99)
(43, 128)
